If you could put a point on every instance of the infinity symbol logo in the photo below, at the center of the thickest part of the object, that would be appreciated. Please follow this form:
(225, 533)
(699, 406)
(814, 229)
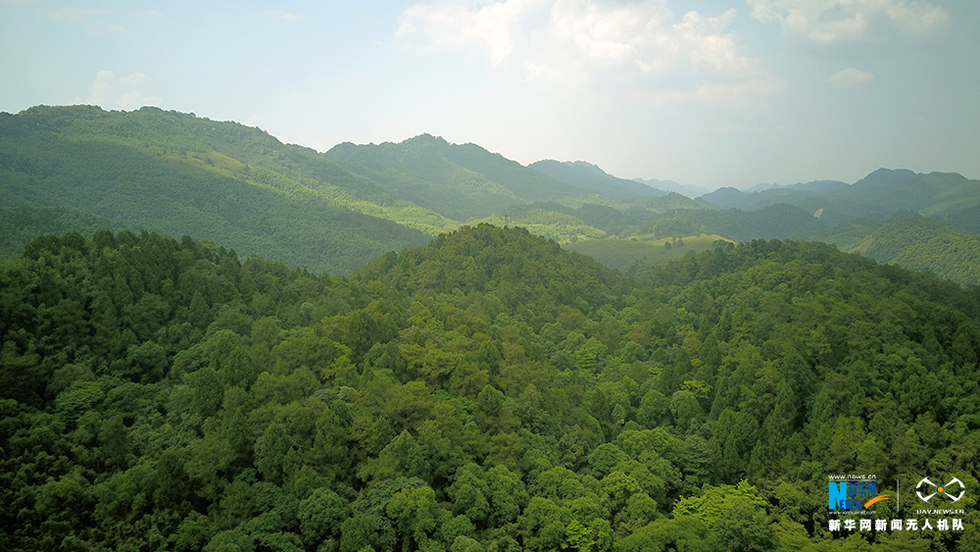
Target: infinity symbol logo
(941, 490)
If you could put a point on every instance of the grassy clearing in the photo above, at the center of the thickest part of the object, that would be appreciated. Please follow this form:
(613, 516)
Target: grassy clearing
(621, 254)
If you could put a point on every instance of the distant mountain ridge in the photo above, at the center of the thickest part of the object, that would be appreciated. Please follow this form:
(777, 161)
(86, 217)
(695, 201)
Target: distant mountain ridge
(460, 181)
(947, 196)
(179, 174)
(590, 177)
(74, 168)
(688, 190)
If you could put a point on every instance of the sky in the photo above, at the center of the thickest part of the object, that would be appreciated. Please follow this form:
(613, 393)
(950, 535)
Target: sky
(708, 93)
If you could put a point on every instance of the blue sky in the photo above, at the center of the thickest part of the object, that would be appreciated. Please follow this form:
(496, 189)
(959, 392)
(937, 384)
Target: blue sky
(710, 93)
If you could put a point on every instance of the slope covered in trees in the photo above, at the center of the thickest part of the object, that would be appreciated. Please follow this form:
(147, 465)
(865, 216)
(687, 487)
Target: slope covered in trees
(934, 194)
(920, 243)
(460, 181)
(20, 224)
(179, 174)
(488, 392)
(182, 175)
(780, 221)
(590, 177)
(946, 196)
(813, 197)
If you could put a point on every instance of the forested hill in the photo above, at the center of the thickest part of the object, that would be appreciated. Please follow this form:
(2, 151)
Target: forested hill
(79, 168)
(921, 243)
(487, 392)
(949, 197)
(22, 223)
(461, 181)
(590, 177)
(178, 174)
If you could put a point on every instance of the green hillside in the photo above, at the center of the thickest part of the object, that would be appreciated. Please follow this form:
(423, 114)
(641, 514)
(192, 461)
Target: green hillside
(590, 177)
(920, 243)
(639, 255)
(552, 225)
(612, 217)
(179, 174)
(775, 222)
(487, 392)
(849, 236)
(967, 219)
(670, 202)
(459, 181)
(20, 224)
(889, 240)
(950, 197)
(414, 171)
(468, 183)
(951, 255)
(650, 239)
(934, 194)
(831, 212)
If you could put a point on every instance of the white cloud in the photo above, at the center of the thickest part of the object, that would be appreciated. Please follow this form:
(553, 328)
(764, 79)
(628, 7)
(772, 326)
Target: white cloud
(72, 15)
(151, 14)
(829, 21)
(126, 93)
(465, 24)
(572, 41)
(849, 77)
(104, 22)
(284, 15)
(606, 36)
(730, 96)
(704, 42)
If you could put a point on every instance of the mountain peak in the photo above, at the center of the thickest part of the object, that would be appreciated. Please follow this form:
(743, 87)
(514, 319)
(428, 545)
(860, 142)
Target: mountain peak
(426, 138)
(885, 171)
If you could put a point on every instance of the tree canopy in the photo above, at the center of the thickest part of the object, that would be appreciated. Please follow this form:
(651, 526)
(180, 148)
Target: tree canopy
(488, 392)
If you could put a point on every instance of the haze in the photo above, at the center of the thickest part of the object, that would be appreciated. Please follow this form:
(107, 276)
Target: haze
(719, 93)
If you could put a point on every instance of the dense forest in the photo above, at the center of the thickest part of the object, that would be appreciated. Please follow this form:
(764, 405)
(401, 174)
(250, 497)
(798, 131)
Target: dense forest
(921, 243)
(489, 392)
(20, 224)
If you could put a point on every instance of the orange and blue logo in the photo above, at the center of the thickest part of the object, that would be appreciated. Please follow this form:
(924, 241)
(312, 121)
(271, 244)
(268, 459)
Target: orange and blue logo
(853, 495)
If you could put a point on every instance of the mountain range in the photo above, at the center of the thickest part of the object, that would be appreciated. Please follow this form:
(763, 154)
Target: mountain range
(946, 196)
(79, 167)
(490, 391)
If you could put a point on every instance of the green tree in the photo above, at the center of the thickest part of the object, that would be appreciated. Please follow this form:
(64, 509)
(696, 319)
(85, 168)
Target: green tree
(321, 515)
(272, 452)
